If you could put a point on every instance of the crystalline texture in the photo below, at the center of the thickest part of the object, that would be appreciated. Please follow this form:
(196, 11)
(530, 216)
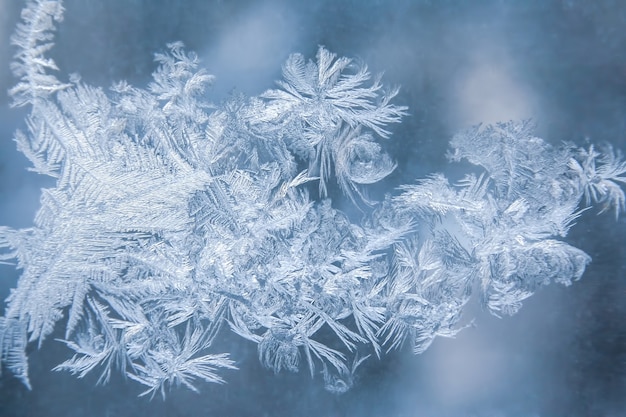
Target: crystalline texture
(172, 221)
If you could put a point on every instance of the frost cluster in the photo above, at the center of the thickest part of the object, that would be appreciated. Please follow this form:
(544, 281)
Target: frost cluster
(173, 221)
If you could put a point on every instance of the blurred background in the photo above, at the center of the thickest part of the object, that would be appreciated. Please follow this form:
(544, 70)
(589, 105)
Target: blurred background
(560, 62)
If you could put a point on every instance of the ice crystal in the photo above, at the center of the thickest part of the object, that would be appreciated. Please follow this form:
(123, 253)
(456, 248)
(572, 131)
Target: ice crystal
(172, 221)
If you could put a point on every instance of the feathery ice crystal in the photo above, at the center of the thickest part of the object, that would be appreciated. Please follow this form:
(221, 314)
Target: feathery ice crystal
(172, 221)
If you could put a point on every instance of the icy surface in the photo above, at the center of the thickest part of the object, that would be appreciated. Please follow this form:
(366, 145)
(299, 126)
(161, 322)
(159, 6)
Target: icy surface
(173, 220)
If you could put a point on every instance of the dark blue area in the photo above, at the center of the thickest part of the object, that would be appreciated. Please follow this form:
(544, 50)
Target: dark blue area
(563, 62)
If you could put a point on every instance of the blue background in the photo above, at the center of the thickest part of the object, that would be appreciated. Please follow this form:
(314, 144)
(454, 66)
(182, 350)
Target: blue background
(561, 62)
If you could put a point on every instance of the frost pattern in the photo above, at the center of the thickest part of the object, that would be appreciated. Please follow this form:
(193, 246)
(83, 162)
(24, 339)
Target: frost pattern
(172, 221)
